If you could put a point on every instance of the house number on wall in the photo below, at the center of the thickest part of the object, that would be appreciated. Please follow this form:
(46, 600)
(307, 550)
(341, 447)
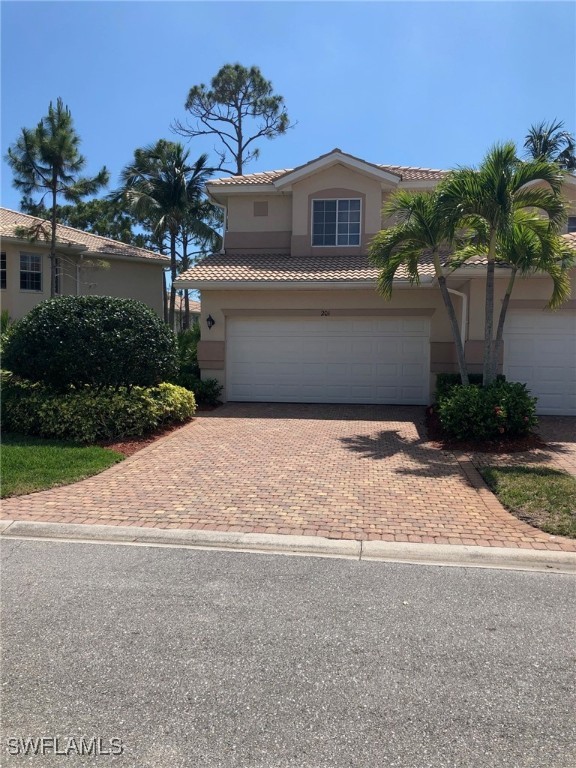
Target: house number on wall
(324, 313)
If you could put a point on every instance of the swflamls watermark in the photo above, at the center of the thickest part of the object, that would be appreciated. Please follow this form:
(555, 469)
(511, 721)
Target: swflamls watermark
(64, 745)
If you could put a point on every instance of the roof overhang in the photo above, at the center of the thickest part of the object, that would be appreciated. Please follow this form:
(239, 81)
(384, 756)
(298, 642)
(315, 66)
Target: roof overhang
(336, 157)
(291, 285)
(224, 190)
(419, 184)
(104, 256)
(39, 243)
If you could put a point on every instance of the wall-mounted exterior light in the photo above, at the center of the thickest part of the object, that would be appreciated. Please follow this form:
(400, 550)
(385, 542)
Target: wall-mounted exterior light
(210, 321)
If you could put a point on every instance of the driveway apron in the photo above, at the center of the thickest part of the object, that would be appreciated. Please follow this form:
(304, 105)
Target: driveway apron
(342, 471)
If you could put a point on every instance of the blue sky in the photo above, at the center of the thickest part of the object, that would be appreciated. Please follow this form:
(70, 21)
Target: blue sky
(432, 84)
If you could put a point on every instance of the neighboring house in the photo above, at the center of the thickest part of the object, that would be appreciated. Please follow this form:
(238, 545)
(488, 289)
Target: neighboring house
(294, 313)
(194, 306)
(87, 264)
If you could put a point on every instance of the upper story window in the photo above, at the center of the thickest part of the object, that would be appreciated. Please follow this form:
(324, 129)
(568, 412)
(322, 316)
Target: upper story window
(30, 272)
(336, 222)
(571, 223)
(2, 270)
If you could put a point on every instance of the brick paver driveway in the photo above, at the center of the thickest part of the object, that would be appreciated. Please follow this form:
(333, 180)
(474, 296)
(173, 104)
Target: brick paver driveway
(351, 472)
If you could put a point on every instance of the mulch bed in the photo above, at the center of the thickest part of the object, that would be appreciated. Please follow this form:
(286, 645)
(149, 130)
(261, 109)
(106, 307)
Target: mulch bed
(132, 445)
(509, 445)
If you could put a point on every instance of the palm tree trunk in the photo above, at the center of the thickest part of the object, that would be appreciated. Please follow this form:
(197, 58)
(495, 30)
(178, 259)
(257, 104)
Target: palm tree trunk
(184, 265)
(501, 320)
(53, 242)
(173, 273)
(460, 356)
(488, 362)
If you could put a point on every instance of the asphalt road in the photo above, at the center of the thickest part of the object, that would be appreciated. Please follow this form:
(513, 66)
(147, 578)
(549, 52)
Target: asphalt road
(204, 658)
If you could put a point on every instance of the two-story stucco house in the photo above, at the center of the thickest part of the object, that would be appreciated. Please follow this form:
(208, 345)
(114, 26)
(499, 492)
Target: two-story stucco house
(87, 264)
(290, 310)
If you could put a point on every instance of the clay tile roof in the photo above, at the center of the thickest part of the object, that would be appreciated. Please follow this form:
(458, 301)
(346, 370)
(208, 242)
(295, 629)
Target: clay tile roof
(570, 237)
(409, 173)
(179, 304)
(265, 177)
(404, 173)
(11, 221)
(267, 267)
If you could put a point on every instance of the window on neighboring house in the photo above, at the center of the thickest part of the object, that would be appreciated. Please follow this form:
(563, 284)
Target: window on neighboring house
(336, 222)
(2, 270)
(571, 223)
(30, 272)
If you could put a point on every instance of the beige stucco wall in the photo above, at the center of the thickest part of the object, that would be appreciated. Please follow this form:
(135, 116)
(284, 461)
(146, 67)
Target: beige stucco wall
(287, 225)
(130, 280)
(530, 292)
(528, 289)
(336, 181)
(247, 232)
(219, 304)
(133, 280)
(241, 216)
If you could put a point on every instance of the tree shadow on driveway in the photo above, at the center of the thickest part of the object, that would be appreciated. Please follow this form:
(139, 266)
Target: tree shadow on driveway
(423, 458)
(417, 457)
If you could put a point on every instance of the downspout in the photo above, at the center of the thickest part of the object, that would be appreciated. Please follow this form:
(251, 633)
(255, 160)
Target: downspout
(464, 318)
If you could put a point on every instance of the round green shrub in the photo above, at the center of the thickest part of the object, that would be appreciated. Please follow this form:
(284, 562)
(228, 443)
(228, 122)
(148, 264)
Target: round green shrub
(87, 415)
(499, 411)
(97, 340)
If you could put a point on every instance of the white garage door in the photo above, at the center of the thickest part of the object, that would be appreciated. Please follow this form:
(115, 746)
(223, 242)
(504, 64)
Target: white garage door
(540, 351)
(328, 359)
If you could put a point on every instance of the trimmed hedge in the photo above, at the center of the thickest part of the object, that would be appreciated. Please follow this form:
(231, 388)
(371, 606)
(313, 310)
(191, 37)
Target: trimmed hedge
(86, 415)
(500, 410)
(445, 382)
(206, 391)
(96, 340)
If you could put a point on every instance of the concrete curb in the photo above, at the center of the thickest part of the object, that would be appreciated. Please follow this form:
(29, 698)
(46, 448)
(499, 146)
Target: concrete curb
(460, 554)
(423, 554)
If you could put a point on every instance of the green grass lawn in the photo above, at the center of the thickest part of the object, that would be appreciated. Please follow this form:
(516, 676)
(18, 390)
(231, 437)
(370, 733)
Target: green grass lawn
(543, 497)
(32, 464)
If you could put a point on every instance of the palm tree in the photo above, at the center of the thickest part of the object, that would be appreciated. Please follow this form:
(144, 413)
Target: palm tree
(423, 232)
(47, 160)
(549, 141)
(488, 198)
(161, 185)
(530, 247)
(199, 229)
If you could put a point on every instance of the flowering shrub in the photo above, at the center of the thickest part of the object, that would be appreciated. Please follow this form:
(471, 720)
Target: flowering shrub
(500, 410)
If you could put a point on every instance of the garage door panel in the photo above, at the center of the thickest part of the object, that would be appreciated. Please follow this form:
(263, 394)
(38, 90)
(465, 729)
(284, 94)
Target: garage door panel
(418, 326)
(332, 359)
(412, 394)
(540, 351)
(412, 350)
(412, 371)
